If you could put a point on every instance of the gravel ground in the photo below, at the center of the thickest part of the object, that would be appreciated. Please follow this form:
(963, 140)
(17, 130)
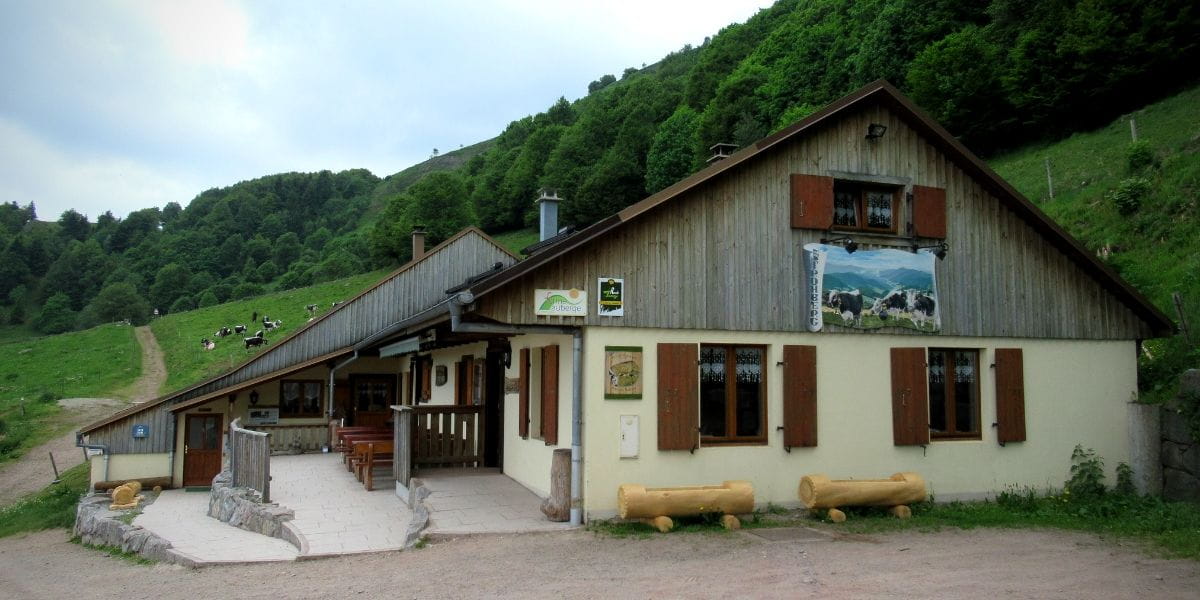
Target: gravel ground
(947, 564)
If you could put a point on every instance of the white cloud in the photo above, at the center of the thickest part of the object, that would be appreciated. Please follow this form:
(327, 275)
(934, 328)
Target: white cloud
(33, 171)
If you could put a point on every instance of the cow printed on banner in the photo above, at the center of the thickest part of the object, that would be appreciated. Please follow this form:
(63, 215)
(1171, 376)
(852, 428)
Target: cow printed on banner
(870, 289)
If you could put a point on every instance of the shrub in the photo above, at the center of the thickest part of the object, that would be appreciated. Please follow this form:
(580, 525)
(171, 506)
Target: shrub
(1129, 194)
(247, 290)
(1140, 156)
(1125, 480)
(1087, 475)
(183, 303)
(47, 397)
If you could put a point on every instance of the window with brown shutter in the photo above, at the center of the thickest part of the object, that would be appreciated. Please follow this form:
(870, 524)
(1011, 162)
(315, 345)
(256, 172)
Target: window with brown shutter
(799, 396)
(954, 393)
(812, 201)
(678, 393)
(523, 394)
(929, 211)
(910, 403)
(1010, 395)
(550, 395)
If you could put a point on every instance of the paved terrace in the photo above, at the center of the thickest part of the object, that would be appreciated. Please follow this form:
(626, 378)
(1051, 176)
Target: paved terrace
(335, 515)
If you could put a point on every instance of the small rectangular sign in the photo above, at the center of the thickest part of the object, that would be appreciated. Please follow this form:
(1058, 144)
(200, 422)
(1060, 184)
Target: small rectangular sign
(611, 301)
(263, 416)
(141, 431)
(560, 303)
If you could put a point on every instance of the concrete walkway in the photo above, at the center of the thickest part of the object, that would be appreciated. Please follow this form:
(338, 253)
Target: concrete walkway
(182, 518)
(334, 513)
(466, 501)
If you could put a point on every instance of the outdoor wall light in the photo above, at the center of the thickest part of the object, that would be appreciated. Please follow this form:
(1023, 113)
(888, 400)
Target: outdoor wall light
(851, 245)
(876, 131)
(942, 249)
(253, 397)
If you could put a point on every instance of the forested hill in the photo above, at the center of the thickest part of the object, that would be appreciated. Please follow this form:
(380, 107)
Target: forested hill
(997, 74)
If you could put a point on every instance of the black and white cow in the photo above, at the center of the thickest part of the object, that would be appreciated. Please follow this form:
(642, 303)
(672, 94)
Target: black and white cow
(890, 305)
(222, 332)
(257, 340)
(923, 308)
(239, 329)
(848, 305)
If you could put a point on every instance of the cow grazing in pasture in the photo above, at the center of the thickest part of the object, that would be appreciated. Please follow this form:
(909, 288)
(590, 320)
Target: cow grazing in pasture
(239, 329)
(848, 305)
(257, 340)
(254, 317)
(222, 332)
(269, 325)
(311, 308)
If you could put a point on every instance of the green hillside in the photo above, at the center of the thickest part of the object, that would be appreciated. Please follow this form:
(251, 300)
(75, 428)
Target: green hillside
(179, 334)
(1135, 205)
(35, 372)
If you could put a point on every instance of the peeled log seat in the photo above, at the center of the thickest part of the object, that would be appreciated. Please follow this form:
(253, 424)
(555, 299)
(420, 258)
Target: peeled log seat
(126, 496)
(639, 502)
(818, 491)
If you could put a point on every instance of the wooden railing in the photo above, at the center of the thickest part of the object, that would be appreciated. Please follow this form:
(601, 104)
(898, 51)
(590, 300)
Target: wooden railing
(250, 459)
(448, 436)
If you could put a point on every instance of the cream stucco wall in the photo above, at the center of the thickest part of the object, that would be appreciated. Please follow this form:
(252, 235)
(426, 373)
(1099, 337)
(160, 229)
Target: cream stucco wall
(444, 394)
(528, 460)
(1075, 393)
(129, 466)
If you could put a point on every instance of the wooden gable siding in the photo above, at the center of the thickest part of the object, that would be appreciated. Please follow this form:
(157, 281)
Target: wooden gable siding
(724, 257)
(403, 296)
(118, 436)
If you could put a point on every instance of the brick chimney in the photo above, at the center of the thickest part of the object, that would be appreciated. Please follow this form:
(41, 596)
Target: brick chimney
(418, 241)
(547, 213)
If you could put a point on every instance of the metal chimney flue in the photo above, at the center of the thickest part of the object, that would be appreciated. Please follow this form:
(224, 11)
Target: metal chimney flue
(547, 213)
(721, 152)
(418, 242)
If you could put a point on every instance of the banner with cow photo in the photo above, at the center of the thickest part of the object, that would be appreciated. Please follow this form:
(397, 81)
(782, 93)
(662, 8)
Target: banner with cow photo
(870, 289)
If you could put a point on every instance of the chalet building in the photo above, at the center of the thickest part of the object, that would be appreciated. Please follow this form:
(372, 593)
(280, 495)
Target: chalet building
(854, 295)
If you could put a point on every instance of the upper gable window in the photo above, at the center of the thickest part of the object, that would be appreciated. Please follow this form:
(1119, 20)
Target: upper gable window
(864, 207)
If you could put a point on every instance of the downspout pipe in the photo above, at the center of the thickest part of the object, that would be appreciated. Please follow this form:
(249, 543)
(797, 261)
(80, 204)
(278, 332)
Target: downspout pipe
(332, 372)
(103, 448)
(465, 298)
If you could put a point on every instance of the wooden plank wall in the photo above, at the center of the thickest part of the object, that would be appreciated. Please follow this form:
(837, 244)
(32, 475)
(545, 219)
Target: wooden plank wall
(724, 256)
(118, 436)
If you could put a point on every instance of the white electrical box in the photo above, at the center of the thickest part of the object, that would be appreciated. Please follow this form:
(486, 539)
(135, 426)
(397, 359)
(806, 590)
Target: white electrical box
(629, 436)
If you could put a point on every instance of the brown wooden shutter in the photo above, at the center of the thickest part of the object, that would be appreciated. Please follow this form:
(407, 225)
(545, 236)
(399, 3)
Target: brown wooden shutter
(1010, 395)
(799, 396)
(523, 395)
(550, 395)
(678, 396)
(910, 399)
(812, 202)
(929, 211)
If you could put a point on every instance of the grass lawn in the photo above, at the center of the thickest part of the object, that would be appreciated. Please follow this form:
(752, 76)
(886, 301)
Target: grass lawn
(34, 372)
(517, 239)
(179, 334)
(50, 508)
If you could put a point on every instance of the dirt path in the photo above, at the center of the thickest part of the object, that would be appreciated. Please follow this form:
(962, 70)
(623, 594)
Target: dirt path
(985, 563)
(33, 471)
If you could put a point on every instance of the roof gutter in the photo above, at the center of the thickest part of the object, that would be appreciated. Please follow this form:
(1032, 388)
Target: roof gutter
(465, 298)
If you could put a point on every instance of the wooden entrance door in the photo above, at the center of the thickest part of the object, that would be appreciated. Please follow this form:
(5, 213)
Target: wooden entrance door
(372, 397)
(202, 449)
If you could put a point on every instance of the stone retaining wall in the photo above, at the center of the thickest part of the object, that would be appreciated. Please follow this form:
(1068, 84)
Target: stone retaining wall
(1180, 453)
(243, 508)
(96, 525)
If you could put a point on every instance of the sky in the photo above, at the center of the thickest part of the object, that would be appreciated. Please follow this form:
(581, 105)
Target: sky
(121, 105)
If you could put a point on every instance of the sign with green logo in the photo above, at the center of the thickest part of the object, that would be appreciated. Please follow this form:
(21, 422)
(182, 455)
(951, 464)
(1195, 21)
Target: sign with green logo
(612, 297)
(560, 303)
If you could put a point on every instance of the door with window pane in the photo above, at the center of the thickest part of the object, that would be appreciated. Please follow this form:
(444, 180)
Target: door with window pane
(371, 399)
(201, 449)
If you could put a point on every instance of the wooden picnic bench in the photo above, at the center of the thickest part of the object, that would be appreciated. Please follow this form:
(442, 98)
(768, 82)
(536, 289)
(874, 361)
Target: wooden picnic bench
(341, 432)
(367, 456)
(352, 438)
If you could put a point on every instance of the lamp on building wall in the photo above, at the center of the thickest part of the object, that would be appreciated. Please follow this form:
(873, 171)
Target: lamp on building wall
(941, 249)
(253, 397)
(851, 245)
(876, 131)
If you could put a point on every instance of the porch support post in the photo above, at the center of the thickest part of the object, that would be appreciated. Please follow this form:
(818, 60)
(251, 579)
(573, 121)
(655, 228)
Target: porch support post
(577, 428)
